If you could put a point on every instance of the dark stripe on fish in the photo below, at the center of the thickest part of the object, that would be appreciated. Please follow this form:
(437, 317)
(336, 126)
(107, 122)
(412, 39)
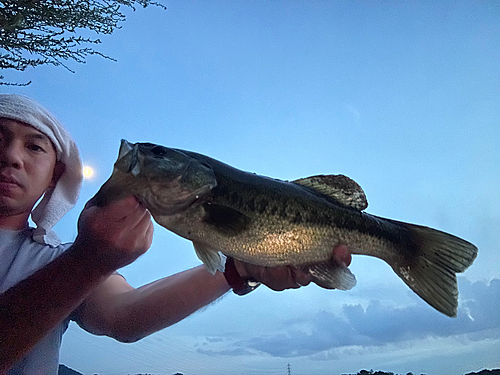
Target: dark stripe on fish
(297, 212)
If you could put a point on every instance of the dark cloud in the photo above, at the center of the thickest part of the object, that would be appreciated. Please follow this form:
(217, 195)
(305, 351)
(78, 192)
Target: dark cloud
(482, 300)
(214, 339)
(328, 331)
(230, 352)
(377, 325)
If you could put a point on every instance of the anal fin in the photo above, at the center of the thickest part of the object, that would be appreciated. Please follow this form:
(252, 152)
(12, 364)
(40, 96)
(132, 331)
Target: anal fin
(330, 275)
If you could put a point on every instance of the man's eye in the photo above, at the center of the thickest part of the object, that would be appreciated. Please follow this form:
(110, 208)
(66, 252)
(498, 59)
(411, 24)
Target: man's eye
(36, 148)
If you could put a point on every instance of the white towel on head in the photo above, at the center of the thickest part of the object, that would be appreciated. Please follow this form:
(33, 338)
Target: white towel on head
(56, 201)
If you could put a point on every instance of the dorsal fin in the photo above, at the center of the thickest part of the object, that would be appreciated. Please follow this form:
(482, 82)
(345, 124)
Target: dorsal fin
(339, 187)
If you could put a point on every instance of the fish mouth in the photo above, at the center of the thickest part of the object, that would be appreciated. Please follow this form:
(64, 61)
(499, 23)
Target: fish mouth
(134, 167)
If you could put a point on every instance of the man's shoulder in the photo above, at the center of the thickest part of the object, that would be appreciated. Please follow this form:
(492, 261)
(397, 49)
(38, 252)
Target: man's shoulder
(20, 256)
(35, 249)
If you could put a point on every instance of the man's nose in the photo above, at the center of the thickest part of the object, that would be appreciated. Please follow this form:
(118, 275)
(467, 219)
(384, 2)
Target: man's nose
(11, 155)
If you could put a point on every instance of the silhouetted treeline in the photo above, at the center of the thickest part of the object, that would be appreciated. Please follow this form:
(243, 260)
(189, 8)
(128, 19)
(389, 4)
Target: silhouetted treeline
(64, 370)
(371, 372)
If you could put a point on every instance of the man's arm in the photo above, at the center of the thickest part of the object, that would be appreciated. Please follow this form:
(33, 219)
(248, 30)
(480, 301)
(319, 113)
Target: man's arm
(36, 305)
(108, 238)
(118, 310)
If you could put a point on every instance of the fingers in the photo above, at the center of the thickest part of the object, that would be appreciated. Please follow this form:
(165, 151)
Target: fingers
(276, 278)
(342, 255)
(288, 277)
(279, 278)
(145, 226)
(90, 203)
(132, 213)
(123, 209)
(301, 278)
(149, 234)
(129, 212)
(119, 232)
(135, 222)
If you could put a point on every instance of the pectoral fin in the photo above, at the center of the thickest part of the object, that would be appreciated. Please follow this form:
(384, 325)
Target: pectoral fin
(330, 275)
(209, 257)
(225, 220)
(339, 187)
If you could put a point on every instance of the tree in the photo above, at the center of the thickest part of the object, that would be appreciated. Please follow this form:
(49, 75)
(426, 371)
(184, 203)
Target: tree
(41, 32)
(65, 370)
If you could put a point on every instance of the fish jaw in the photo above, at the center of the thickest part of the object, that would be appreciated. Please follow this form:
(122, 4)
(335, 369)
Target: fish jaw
(173, 198)
(171, 180)
(164, 179)
(128, 158)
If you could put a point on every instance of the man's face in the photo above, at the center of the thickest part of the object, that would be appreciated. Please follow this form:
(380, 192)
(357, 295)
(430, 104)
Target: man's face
(27, 162)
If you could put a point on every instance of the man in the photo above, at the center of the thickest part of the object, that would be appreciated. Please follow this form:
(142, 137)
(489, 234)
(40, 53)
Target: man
(43, 284)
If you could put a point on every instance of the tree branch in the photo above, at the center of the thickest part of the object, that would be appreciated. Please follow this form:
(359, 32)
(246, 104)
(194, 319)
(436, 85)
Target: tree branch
(42, 32)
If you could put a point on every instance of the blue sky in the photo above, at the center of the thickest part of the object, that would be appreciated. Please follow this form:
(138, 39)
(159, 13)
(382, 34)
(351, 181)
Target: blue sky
(403, 97)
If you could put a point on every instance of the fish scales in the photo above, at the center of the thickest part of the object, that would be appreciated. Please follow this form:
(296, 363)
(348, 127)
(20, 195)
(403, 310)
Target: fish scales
(271, 222)
(297, 215)
(274, 236)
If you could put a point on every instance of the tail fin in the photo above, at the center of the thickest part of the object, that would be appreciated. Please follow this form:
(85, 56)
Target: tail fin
(432, 273)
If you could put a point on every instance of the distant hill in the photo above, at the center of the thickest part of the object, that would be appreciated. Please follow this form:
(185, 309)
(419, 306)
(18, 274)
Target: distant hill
(65, 370)
(371, 372)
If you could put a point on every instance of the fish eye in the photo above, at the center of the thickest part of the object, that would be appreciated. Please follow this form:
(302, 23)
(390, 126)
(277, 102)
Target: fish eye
(159, 150)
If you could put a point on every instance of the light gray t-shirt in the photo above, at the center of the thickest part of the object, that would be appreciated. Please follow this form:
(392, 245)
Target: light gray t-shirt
(20, 256)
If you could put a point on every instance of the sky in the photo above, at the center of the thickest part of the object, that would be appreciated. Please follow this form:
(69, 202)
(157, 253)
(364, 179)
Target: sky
(402, 97)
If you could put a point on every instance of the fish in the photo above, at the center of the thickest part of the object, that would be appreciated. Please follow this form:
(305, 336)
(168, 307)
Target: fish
(272, 222)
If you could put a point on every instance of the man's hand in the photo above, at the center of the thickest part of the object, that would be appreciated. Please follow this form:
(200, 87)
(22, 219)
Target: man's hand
(116, 234)
(108, 238)
(287, 277)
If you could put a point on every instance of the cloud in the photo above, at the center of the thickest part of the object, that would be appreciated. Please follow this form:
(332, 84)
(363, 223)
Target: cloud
(481, 301)
(378, 325)
(327, 331)
(229, 352)
(214, 339)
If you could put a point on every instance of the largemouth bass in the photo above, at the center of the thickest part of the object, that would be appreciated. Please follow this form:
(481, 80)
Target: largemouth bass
(271, 222)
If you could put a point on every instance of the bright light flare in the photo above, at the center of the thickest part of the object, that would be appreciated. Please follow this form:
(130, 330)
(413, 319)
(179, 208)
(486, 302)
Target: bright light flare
(88, 172)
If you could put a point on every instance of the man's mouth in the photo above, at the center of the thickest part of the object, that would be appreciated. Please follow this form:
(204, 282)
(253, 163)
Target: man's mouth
(8, 180)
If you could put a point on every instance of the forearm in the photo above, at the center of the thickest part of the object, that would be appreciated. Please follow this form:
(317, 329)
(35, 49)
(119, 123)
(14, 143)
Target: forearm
(36, 305)
(137, 313)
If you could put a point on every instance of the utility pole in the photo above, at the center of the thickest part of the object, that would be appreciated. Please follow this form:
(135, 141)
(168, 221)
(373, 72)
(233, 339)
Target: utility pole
(288, 371)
